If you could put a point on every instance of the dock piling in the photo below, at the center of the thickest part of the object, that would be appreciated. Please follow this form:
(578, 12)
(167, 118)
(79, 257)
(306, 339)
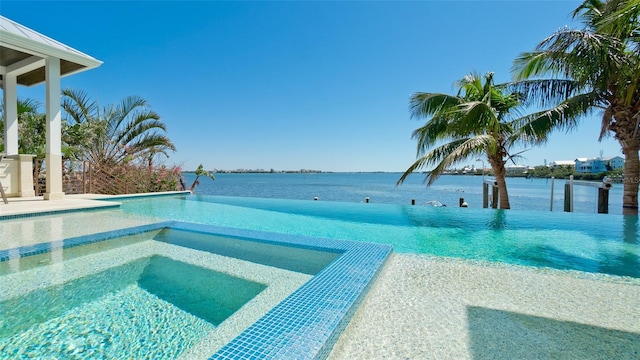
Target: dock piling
(603, 200)
(494, 197)
(551, 202)
(485, 195)
(603, 194)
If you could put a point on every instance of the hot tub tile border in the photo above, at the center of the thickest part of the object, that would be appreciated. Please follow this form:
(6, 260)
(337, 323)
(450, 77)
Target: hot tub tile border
(307, 323)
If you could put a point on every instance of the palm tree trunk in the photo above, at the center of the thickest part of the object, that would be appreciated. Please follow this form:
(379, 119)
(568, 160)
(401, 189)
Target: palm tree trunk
(631, 178)
(502, 190)
(499, 170)
(195, 183)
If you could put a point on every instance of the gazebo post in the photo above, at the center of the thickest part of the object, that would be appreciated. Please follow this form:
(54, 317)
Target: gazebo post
(54, 130)
(30, 58)
(11, 113)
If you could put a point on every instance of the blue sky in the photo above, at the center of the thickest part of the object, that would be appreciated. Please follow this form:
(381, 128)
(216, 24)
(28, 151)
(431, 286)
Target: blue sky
(292, 85)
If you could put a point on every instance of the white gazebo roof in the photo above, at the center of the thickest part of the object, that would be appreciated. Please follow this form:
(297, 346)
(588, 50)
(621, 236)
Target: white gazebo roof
(23, 53)
(28, 58)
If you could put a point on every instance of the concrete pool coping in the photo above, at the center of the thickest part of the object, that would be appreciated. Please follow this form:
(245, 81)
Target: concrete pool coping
(37, 206)
(307, 323)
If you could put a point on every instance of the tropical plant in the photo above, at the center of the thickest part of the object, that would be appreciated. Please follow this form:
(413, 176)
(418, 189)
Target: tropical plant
(200, 171)
(593, 68)
(481, 119)
(32, 127)
(114, 134)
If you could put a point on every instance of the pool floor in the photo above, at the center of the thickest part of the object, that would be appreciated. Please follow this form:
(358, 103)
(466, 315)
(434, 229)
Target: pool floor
(129, 301)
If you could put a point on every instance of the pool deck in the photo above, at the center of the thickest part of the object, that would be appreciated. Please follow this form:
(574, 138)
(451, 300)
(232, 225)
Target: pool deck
(30, 206)
(425, 307)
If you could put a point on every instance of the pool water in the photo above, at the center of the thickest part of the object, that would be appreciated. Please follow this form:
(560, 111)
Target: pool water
(99, 315)
(118, 292)
(594, 243)
(306, 261)
(157, 294)
(209, 295)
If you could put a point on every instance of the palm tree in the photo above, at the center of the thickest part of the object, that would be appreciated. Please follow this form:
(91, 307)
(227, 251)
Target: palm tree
(594, 68)
(114, 134)
(481, 119)
(200, 171)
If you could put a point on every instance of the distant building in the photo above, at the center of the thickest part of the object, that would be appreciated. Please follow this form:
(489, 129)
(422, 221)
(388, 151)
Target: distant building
(516, 169)
(615, 162)
(558, 163)
(598, 165)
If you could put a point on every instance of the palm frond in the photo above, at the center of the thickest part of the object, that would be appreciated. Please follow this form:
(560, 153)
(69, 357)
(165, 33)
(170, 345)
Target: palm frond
(544, 92)
(114, 133)
(423, 105)
(127, 106)
(139, 123)
(78, 106)
(436, 129)
(620, 18)
(475, 117)
(141, 145)
(535, 128)
(27, 105)
(581, 55)
(444, 156)
(516, 156)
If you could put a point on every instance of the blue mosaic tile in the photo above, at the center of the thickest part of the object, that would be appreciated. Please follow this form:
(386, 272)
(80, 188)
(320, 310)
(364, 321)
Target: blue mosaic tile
(30, 250)
(307, 323)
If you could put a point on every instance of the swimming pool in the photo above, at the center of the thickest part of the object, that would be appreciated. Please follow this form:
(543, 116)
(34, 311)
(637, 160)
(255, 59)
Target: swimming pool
(595, 243)
(584, 243)
(170, 289)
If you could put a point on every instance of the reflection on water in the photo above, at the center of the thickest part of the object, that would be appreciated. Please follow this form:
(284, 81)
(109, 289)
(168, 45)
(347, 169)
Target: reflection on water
(586, 242)
(498, 221)
(630, 229)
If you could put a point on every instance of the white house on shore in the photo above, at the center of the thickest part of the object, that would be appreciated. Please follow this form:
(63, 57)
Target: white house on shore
(559, 163)
(598, 165)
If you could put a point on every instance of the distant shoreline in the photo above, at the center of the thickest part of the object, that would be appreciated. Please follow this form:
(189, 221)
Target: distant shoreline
(259, 171)
(586, 176)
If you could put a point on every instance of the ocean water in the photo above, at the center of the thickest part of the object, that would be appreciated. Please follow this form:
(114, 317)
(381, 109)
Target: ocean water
(524, 194)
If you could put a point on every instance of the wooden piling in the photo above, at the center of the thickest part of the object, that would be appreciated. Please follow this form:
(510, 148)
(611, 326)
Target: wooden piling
(551, 202)
(494, 197)
(567, 196)
(603, 201)
(485, 195)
